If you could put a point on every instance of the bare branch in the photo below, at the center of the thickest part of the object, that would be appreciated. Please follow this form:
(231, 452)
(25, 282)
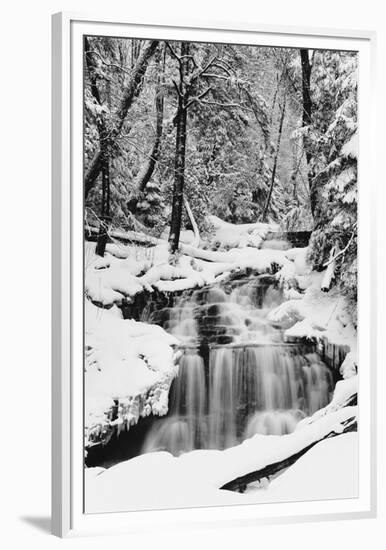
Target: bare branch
(199, 97)
(333, 259)
(214, 75)
(174, 54)
(114, 65)
(177, 88)
(225, 69)
(131, 91)
(202, 70)
(229, 105)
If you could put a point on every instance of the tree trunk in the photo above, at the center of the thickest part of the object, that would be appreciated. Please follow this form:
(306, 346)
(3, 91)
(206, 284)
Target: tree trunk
(93, 172)
(307, 112)
(130, 93)
(105, 210)
(147, 172)
(179, 166)
(196, 232)
(266, 207)
(97, 161)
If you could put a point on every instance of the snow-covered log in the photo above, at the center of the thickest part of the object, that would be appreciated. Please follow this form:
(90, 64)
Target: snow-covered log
(240, 483)
(127, 236)
(112, 279)
(329, 274)
(229, 235)
(218, 223)
(335, 460)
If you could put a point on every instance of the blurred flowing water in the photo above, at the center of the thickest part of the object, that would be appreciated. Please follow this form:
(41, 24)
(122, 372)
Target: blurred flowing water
(237, 376)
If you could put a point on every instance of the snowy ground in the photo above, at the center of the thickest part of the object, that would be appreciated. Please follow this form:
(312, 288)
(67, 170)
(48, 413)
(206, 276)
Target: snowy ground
(328, 470)
(317, 475)
(132, 364)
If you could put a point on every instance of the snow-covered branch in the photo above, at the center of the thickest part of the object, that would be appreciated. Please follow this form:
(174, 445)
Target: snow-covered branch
(330, 271)
(196, 231)
(340, 252)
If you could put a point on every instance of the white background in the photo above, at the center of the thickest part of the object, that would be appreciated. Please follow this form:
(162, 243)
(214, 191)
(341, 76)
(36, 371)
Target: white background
(25, 269)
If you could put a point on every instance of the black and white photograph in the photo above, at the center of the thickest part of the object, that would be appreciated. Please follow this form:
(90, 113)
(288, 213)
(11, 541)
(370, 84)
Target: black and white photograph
(220, 274)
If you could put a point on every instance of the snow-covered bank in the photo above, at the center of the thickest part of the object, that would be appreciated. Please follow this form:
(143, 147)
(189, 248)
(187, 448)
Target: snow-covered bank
(123, 273)
(129, 367)
(316, 314)
(345, 392)
(317, 475)
(308, 312)
(312, 314)
(159, 480)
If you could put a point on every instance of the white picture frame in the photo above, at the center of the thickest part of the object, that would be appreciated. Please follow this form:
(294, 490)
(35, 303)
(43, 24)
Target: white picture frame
(67, 313)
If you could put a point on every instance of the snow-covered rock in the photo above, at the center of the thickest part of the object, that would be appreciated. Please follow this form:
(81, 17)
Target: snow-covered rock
(316, 314)
(229, 235)
(129, 365)
(349, 367)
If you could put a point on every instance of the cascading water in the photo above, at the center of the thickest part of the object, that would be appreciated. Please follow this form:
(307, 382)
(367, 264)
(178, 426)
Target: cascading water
(237, 377)
(185, 428)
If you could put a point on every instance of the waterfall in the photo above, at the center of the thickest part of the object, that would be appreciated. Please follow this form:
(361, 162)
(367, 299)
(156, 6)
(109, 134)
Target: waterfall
(185, 429)
(223, 399)
(249, 381)
(263, 389)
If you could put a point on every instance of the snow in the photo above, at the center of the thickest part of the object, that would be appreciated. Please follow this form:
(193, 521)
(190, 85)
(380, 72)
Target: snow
(228, 235)
(317, 475)
(303, 329)
(127, 362)
(114, 278)
(195, 478)
(287, 313)
(130, 366)
(349, 366)
(344, 391)
(316, 315)
(299, 257)
(350, 149)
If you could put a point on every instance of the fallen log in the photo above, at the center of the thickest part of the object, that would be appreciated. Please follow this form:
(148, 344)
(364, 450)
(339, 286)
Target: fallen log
(240, 484)
(207, 255)
(125, 236)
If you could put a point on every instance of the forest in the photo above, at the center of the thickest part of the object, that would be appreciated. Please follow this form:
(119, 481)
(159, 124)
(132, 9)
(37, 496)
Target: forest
(247, 134)
(220, 186)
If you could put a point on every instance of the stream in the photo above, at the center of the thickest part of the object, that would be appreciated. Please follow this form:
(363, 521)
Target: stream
(237, 376)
